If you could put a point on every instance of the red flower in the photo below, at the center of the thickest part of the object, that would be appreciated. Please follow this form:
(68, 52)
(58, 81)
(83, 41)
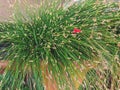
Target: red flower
(76, 30)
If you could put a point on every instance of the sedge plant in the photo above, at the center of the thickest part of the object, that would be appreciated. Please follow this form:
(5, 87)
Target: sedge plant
(53, 48)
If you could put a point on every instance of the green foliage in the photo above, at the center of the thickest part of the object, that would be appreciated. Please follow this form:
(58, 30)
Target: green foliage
(45, 35)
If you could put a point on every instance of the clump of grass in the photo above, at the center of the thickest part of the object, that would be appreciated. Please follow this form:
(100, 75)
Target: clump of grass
(41, 40)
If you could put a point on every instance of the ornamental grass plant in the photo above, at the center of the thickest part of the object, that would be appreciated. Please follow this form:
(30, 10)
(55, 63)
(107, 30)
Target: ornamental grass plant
(50, 47)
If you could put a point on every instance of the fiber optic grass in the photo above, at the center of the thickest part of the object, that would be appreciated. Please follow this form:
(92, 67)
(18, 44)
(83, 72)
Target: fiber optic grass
(42, 47)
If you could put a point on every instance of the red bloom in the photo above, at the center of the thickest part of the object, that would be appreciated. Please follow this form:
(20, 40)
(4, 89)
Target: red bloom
(76, 30)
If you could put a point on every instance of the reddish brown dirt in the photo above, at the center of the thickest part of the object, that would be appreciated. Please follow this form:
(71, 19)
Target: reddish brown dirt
(3, 65)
